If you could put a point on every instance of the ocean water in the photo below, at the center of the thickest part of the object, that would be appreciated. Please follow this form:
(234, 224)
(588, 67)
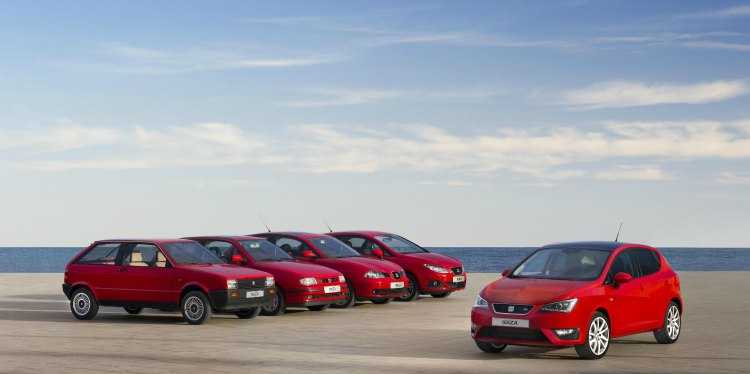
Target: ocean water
(485, 260)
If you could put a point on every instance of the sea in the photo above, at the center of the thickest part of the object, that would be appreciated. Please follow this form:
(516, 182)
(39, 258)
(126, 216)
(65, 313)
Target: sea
(475, 259)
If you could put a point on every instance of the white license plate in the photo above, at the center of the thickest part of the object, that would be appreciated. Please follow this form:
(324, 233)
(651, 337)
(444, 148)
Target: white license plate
(332, 289)
(397, 285)
(253, 294)
(510, 322)
(458, 278)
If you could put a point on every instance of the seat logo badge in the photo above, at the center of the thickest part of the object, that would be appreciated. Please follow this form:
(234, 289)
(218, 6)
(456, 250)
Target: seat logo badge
(511, 309)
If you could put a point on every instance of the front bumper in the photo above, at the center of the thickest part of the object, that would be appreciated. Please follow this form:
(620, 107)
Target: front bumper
(369, 289)
(236, 300)
(541, 330)
(315, 295)
(438, 283)
(66, 290)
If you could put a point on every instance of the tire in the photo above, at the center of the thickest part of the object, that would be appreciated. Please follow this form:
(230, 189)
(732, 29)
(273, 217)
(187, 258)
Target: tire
(318, 308)
(380, 301)
(349, 301)
(83, 304)
(133, 310)
(413, 289)
(670, 331)
(490, 348)
(440, 295)
(248, 314)
(276, 307)
(597, 340)
(195, 307)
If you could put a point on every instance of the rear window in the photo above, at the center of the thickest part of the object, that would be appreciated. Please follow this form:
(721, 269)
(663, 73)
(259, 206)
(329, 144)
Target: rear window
(101, 254)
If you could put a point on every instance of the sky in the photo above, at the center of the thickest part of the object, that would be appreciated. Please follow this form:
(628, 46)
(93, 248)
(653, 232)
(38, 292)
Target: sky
(496, 123)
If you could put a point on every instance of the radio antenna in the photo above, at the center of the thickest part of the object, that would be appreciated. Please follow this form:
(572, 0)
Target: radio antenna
(264, 223)
(329, 226)
(619, 229)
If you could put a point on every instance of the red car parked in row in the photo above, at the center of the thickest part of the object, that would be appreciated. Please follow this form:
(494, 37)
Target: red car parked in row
(297, 283)
(428, 273)
(581, 295)
(368, 279)
(163, 274)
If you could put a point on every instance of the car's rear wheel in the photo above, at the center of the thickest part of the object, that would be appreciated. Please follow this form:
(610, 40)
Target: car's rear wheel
(249, 313)
(195, 307)
(672, 325)
(597, 338)
(348, 301)
(381, 301)
(490, 347)
(277, 305)
(318, 308)
(83, 304)
(440, 295)
(412, 290)
(133, 310)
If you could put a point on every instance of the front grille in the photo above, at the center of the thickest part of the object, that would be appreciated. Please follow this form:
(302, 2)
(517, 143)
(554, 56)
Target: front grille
(512, 333)
(512, 308)
(457, 270)
(329, 280)
(251, 283)
(397, 275)
(387, 292)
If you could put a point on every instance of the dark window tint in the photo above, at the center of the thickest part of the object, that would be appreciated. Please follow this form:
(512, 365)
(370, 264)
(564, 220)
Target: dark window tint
(354, 242)
(102, 254)
(223, 250)
(263, 250)
(623, 264)
(291, 246)
(647, 261)
(189, 253)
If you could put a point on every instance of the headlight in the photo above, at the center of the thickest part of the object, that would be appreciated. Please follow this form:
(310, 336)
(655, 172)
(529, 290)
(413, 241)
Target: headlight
(375, 274)
(480, 302)
(308, 281)
(269, 282)
(437, 269)
(342, 278)
(232, 284)
(565, 306)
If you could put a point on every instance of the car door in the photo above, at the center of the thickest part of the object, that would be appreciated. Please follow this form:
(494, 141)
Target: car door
(627, 298)
(146, 275)
(653, 284)
(98, 268)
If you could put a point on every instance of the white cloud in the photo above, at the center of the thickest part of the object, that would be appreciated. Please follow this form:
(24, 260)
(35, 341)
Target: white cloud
(730, 12)
(57, 138)
(740, 47)
(729, 177)
(339, 97)
(622, 94)
(633, 173)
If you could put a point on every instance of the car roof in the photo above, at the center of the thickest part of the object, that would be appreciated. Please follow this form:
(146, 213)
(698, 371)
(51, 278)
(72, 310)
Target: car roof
(361, 232)
(600, 245)
(154, 241)
(226, 237)
(299, 234)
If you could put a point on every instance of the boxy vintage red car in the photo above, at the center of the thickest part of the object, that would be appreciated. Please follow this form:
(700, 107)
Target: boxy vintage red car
(428, 273)
(167, 274)
(580, 295)
(298, 284)
(368, 279)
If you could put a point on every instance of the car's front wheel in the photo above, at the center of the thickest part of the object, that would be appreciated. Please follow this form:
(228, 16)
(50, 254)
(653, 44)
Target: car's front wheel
(412, 291)
(670, 331)
(349, 301)
(277, 305)
(597, 338)
(133, 310)
(490, 347)
(195, 307)
(83, 304)
(249, 313)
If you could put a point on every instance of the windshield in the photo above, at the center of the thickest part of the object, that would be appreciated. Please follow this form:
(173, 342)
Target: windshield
(399, 244)
(190, 254)
(332, 247)
(263, 250)
(563, 263)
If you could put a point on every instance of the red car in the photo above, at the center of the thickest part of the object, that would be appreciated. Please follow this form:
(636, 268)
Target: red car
(163, 274)
(297, 283)
(428, 273)
(368, 279)
(580, 295)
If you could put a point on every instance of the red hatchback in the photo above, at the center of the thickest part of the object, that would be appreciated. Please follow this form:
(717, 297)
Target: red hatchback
(368, 279)
(163, 274)
(429, 273)
(580, 295)
(298, 284)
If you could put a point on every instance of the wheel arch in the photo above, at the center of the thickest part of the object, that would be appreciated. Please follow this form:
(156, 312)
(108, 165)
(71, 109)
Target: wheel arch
(76, 286)
(193, 287)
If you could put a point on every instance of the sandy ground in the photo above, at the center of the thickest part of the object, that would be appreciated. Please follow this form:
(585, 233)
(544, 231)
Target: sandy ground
(38, 334)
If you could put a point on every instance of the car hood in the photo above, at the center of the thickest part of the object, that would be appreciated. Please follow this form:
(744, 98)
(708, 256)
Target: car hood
(227, 271)
(530, 291)
(298, 269)
(365, 264)
(434, 259)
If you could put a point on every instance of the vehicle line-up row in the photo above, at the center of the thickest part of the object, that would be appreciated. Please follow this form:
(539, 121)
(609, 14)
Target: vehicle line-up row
(248, 275)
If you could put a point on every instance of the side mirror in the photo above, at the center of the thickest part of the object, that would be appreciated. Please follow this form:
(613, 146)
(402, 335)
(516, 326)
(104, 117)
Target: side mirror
(309, 254)
(621, 278)
(237, 259)
(505, 272)
(377, 252)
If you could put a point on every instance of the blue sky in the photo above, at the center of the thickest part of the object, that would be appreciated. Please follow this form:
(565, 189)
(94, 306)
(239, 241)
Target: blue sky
(453, 123)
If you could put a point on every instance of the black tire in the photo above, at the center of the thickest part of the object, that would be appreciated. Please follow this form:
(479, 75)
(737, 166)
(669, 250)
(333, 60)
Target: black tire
(490, 347)
(134, 310)
(318, 308)
(83, 304)
(248, 314)
(440, 295)
(195, 307)
(349, 301)
(598, 329)
(381, 301)
(413, 290)
(277, 306)
(672, 326)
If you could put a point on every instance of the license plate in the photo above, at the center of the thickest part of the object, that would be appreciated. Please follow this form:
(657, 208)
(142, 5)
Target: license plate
(509, 322)
(254, 294)
(332, 289)
(397, 285)
(458, 278)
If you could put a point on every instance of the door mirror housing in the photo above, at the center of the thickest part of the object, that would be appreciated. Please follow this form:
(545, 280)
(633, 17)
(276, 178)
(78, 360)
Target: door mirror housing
(621, 278)
(377, 252)
(237, 259)
(309, 254)
(506, 272)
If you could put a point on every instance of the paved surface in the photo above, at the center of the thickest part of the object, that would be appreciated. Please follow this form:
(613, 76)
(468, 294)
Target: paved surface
(39, 335)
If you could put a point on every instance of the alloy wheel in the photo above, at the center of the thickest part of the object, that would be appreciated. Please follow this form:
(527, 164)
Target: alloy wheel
(673, 322)
(598, 336)
(194, 308)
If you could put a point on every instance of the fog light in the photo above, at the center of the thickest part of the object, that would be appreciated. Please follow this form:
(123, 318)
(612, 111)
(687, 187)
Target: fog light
(567, 333)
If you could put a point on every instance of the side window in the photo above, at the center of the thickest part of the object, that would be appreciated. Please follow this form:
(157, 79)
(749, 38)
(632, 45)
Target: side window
(144, 255)
(647, 260)
(222, 250)
(102, 254)
(623, 264)
(291, 246)
(356, 243)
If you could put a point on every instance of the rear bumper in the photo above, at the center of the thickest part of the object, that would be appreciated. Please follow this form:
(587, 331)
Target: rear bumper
(313, 296)
(235, 300)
